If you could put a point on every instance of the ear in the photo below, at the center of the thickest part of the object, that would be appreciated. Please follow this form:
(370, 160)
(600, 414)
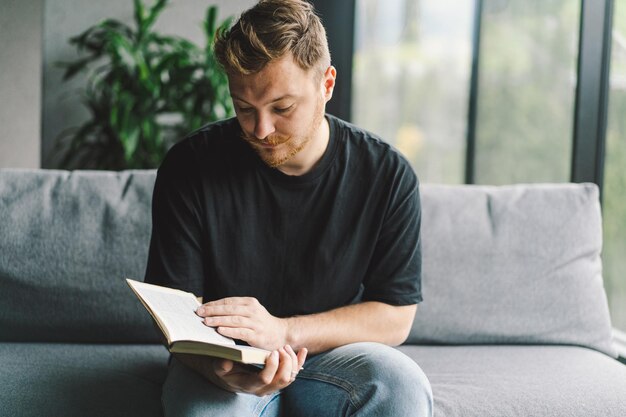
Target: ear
(328, 82)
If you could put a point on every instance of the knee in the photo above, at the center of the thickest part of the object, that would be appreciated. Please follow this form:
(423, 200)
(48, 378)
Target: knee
(394, 376)
(186, 393)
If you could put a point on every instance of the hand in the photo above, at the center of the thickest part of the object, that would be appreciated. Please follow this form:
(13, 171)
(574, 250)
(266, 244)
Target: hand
(281, 368)
(244, 318)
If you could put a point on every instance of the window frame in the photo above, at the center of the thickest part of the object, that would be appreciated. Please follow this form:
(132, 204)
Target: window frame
(592, 87)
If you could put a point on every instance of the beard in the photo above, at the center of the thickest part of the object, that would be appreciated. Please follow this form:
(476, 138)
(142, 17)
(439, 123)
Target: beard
(285, 147)
(274, 157)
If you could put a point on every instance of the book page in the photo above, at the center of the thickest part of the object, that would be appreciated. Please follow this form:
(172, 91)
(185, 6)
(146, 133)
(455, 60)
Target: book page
(177, 310)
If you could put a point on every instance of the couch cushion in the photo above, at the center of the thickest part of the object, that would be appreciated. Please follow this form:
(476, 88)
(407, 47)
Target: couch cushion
(512, 264)
(42, 379)
(522, 381)
(68, 240)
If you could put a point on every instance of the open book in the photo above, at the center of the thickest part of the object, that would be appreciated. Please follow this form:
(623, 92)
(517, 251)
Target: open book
(175, 313)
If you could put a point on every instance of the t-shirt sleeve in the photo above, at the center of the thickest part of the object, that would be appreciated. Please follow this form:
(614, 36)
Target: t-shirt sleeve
(394, 273)
(175, 253)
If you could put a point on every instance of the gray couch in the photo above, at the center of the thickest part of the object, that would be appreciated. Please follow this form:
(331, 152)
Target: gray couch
(514, 322)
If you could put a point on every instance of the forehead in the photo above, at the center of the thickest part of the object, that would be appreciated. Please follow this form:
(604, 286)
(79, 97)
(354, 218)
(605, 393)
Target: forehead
(281, 77)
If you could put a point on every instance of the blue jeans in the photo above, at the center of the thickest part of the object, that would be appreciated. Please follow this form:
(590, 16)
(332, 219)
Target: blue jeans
(361, 379)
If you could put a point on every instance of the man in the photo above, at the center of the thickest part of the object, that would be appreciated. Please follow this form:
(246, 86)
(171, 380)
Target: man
(301, 233)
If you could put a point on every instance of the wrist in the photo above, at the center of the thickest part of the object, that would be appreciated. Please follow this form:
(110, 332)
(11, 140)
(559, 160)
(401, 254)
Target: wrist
(291, 336)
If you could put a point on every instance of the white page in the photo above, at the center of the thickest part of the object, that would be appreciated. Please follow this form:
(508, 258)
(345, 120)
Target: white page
(177, 310)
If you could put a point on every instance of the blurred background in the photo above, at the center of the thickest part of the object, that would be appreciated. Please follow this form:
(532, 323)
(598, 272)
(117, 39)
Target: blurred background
(470, 91)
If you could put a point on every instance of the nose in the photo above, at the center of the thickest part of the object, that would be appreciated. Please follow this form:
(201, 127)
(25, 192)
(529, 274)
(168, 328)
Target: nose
(264, 126)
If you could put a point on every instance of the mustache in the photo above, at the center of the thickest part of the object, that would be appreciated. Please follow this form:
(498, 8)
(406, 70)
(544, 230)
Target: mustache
(273, 140)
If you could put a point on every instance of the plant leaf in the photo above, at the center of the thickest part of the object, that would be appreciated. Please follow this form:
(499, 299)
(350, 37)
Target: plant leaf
(155, 11)
(209, 23)
(139, 14)
(73, 68)
(122, 50)
(137, 75)
(130, 140)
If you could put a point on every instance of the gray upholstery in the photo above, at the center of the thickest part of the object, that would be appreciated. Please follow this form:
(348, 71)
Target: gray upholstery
(67, 240)
(508, 265)
(522, 381)
(78, 380)
(513, 264)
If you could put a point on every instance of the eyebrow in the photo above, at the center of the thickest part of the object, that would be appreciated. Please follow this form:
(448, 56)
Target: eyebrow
(286, 96)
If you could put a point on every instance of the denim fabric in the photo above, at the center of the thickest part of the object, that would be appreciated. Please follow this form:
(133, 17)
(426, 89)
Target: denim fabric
(361, 379)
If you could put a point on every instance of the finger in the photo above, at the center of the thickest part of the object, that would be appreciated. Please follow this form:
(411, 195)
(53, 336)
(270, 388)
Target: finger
(283, 374)
(222, 367)
(246, 335)
(271, 366)
(228, 321)
(224, 310)
(231, 301)
(302, 357)
(294, 362)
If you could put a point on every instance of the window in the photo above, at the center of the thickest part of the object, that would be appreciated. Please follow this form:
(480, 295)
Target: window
(411, 73)
(526, 91)
(614, 195)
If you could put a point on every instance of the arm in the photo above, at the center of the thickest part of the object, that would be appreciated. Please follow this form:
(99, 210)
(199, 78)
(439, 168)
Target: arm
(246, 319)
(369, 321)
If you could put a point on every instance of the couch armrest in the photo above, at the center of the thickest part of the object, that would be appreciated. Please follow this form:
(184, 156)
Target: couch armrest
(619, 340)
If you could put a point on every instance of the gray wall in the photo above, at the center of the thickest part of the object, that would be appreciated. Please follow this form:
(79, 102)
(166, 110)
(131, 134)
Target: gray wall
(36, 105)
(20, 83)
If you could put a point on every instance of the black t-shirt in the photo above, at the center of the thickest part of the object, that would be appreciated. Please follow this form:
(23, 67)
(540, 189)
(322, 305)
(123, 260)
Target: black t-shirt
(226, 224)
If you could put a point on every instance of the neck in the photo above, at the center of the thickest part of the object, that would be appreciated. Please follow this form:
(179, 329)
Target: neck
(305, 160)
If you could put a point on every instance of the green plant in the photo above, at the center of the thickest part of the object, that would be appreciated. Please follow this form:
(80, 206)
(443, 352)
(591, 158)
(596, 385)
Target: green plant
(144, 91)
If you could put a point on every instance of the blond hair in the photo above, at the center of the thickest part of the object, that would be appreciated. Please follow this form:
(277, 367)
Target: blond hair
(270, 30)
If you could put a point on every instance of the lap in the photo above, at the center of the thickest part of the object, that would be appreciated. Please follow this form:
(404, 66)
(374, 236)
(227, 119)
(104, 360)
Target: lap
(187, 393)
(356, 379)
(366, 379)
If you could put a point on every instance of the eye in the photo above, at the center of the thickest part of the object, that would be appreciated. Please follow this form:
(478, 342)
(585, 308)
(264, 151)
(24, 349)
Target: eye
(245, 110)
(281, 110)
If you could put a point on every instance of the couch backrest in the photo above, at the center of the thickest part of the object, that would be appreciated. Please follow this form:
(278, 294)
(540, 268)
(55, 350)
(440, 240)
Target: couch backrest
(509, 264)
(67, 241)
(512, 264)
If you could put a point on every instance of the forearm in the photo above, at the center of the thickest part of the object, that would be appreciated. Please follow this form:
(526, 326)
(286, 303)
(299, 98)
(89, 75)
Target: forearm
(365, 322)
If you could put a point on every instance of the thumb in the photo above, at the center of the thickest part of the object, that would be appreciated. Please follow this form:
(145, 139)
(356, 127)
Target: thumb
(222, 367)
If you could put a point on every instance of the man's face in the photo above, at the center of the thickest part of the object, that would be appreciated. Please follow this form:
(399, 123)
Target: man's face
(280, 109)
